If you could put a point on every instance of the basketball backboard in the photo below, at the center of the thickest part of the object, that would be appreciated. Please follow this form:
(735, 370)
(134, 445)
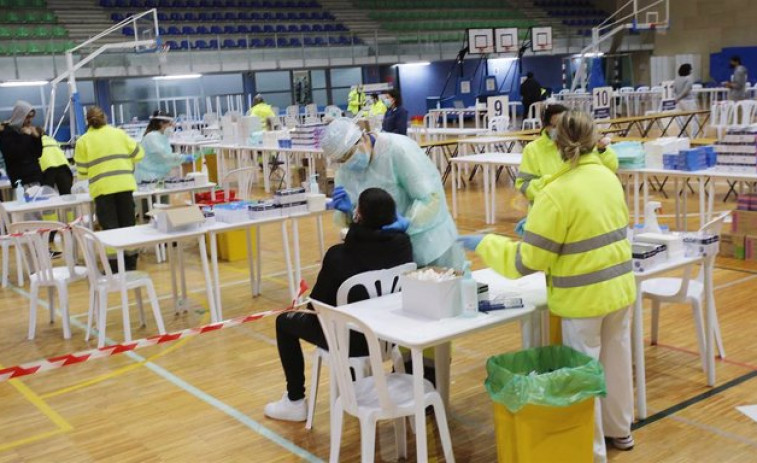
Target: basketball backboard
(506, 40)
(480, 41)
(541, 39)
(650, 14)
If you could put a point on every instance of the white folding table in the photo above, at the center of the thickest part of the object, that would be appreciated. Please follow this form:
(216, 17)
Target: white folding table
(490, 163)
(122, 239)
(384, 315)
(16, 209)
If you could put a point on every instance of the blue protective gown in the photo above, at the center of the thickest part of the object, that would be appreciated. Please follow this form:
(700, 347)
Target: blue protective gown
(159, 158)
(401, 168)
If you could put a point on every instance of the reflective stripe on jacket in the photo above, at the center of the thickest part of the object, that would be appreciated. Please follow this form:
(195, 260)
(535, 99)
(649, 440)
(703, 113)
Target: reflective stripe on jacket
(541, 160)
(107, 156)
(577, 234)
(52, 155)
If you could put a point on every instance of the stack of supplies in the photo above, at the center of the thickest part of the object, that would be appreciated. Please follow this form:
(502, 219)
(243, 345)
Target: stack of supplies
(737, 151)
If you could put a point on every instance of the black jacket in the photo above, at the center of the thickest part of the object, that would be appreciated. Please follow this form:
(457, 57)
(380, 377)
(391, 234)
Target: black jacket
(530, 91)
(363, 250)
(21, 153)
(395, 121)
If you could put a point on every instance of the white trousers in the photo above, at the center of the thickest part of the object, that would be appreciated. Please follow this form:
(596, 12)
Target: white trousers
(607, 339)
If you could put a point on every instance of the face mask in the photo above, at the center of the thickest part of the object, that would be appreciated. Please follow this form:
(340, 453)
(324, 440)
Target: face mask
(387, 102)
(359, 161)
(169, 131)
(552, 134)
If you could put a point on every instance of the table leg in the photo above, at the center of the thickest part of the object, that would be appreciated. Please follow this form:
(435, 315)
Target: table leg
(493, 192)
(638, 355)
(709, 303)
(442, 359)
(420, 410)
(183, 272)
(645, 189)
(297, 258)
(288, 259)
(258, 262)
(266, 171)
(453, 171)
(319, 231)
(250, 259)
(215, 311)
(678, 203)
(487, 206)
(216, 276)
(702, 210)
(711, 200)
(174, 285)
(685, 204)
(124, 295)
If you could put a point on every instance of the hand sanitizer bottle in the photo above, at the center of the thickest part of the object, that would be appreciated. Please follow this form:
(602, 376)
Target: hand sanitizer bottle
(469, 292)
(20, 197)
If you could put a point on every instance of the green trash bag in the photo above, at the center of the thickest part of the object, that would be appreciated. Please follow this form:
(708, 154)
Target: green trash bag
(555, 376)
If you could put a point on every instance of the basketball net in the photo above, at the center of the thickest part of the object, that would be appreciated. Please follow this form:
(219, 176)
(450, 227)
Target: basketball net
(162, 52)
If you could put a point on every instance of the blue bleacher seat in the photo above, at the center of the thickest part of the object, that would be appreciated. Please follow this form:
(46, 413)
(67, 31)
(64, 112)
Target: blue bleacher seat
(191, 3)
(205, 17)
(281, 42)
(162, 17)
(231, 4)
(106, 3)
(309, 42)
(229, 43)
(202, 30)
(190, 17)
(172, 44)
(269, 43)
(117, 17)
(127, 30)
(242, 43)
(317, 28)
(200, 44)
(230, 16)
(121, 4)
(333, 40)
(293, 28)
(304, 28)
(151, 4)
(281, 29)
(213, 43)
(256, 43)
(136, 4)
(295, 42)
(255, 29)
(243, 29)
(268, 29)
(243, 16)
(255, 4)
(173, 30)
(216, 30)
(161, 30)
(179, 4)
(184, 45)
(255, 17)
(205, 4)
(188, 30)
(175, 16)
(229, 30)
(319, 41)
(165, 4)
(278, 4)
(291, 16)
(243, 4)
(267, 4)
(302, 15)
(217, 16)
(218, 4)
(280, 16)
(329, 28)
(266, 16)
(341, 27)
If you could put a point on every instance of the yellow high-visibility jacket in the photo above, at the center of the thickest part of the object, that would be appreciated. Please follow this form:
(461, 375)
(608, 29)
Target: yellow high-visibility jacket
(541, 160)
(355, 101)
(577, 234)
(378, 109)
(262, 111)
(107, 156)
(52, 155)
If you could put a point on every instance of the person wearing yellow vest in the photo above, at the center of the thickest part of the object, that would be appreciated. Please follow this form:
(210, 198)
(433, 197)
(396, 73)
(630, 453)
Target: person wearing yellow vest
(577, 234)
(106, 156)
(262, 111)
(355, 100)
(56, 172)
(378, 108)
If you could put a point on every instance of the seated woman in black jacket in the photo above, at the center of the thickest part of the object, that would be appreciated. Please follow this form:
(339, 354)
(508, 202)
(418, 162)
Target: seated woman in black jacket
(21, 145)
(367, 247)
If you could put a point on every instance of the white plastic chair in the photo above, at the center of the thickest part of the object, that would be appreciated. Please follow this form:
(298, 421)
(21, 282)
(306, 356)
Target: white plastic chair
(721, 116)
(32, 241)
(498, 124)
(5, 244)
(311, 110)
(376, 283)
(743, 113)
(244, 179)
(102, 281)
(383, 396)
(685, 290)
(531, 124)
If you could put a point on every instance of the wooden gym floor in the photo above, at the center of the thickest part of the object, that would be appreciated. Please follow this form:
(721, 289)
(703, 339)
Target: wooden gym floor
(201, 399)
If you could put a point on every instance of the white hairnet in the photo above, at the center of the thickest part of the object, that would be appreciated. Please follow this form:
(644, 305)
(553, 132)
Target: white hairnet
(20, 110)
(339, 137)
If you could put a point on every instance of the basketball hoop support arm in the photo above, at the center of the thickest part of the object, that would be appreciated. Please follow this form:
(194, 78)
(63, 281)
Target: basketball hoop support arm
(76, 110)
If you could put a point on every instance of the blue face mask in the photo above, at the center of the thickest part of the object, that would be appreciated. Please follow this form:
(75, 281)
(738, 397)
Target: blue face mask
(387, 102)
(359, 161)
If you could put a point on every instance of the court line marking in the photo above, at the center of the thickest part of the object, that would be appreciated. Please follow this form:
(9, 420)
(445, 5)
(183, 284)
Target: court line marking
(39, 403)
(203, 396)
(714, 430)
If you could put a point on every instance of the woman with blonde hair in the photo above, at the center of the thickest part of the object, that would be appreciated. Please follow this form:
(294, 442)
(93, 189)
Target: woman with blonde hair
(577, 234)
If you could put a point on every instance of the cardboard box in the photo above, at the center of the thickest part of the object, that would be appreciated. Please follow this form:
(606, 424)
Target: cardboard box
(744, 223)
(750, 248)
(175, 219)
(431, 299)
(732, 246)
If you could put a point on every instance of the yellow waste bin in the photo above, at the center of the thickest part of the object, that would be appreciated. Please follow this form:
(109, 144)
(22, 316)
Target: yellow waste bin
(544, 404)
(232, 245)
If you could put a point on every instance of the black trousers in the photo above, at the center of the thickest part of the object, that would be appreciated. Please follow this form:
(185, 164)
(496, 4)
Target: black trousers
(290, 328)
(59, 177)
(117, 210)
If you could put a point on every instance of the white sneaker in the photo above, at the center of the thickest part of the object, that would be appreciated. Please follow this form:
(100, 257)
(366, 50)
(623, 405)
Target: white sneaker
(287, 410)
(623, 443)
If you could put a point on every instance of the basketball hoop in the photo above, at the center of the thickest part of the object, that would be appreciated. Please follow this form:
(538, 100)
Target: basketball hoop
(162, 52)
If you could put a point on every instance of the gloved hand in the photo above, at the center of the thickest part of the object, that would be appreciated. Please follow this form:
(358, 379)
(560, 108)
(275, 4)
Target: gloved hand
(520, 227)
(400, 224)
(342, 201)
(187, 158)
(470, 242)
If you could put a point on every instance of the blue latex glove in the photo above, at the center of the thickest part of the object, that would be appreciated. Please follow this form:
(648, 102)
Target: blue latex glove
(341, 201)
(470, 242)
(520, 227)
(400, 224)
(187, 158)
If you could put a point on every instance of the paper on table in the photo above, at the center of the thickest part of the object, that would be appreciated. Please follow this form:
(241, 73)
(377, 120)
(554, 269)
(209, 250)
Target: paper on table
(749, 410)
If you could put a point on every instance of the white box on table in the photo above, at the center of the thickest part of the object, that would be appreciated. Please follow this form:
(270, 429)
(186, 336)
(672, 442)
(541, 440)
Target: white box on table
(431, 299)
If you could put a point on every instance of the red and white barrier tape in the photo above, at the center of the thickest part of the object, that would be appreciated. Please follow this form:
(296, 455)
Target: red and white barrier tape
(54, 363)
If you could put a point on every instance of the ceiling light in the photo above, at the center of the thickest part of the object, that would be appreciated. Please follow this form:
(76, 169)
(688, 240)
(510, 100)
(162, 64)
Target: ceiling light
(24, 83)
(178, 77)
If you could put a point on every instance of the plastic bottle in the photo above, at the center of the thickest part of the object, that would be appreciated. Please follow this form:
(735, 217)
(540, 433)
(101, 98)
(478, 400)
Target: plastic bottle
(314, 184)
(20, 197)
(469, 291)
